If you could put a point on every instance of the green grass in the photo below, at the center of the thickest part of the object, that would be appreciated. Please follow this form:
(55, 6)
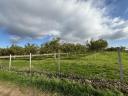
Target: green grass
(103, 65)
(54, 85)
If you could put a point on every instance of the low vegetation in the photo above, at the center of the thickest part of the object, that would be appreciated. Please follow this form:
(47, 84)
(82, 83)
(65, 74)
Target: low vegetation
(89, 69)
(93, 74)
(62, 87)
(54, 46)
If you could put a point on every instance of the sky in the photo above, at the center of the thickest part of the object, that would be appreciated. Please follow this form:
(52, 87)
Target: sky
(39, 21)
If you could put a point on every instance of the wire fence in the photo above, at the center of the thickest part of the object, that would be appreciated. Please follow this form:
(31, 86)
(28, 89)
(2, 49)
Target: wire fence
(106, 65)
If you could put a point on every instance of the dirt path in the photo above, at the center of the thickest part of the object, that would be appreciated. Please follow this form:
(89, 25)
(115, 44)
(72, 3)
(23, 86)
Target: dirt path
(10, 91)
(7, 89)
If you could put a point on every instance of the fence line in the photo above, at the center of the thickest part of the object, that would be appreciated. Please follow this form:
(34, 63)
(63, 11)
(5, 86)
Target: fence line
(56, 56)
(34, 55)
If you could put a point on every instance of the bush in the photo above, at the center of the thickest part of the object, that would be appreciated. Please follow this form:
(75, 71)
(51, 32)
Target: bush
(97, 45)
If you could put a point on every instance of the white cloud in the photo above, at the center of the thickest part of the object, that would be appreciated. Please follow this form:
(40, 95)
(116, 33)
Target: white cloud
(71, 20)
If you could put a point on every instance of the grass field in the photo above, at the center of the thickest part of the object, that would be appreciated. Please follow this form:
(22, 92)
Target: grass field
(103, 65)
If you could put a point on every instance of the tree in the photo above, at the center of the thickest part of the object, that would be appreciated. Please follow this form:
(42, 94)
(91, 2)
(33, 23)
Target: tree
(50, 47)
(68, 48)
(116, 48)
(16, 50)
(97, 45)
(4, 51)
(73, 48)
(31, 48)
(80, 48)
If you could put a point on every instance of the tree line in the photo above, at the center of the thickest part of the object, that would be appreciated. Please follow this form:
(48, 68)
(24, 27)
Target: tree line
(54, 46)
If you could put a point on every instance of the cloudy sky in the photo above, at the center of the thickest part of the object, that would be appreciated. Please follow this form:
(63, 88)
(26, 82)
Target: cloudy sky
(38, 21)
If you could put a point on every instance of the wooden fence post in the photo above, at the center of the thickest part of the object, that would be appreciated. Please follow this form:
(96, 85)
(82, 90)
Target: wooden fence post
(10, 62)
(120, 64)
(59, 61)
(55, 56)
(30, 66)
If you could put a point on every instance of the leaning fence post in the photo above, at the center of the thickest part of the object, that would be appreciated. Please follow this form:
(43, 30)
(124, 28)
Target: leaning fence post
(30, 66)
(59, 61)
(120, 63)
(10, 62)
(55, 56)
(67, 54)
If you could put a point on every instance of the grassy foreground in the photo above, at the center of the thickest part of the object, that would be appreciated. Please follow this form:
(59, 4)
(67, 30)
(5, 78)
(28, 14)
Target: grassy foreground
(61, 87)
(101, 66)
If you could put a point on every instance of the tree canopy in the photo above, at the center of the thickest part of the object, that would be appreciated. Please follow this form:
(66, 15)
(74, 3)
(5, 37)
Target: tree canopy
(97, 45)
(54, 46)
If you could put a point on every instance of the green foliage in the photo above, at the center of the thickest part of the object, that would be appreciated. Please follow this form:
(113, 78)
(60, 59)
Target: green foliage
(103, 65)
(50, 47)
(63, 87)
(16, 50)
(4, 51)
(31, 48)
(93, 65)
(97, 45)
(55, 46)
(115, 49)
(73, 48)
